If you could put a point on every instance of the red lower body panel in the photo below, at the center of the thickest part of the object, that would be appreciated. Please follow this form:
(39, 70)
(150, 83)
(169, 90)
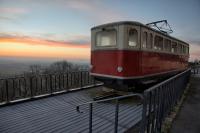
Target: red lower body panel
(135, 63)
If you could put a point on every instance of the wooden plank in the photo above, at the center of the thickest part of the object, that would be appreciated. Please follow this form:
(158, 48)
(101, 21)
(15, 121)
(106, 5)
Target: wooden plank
(58, 114)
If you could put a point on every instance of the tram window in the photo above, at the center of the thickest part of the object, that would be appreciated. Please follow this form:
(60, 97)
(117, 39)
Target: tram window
(167, 45)
(106, 38)
(179, 48)
(150, 42)
(144, 42)
(174, 47)
(158, 43)
(187, 50)
(184, 49)
(133, 38)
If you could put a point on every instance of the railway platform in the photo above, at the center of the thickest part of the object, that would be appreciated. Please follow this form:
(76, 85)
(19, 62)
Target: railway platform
(188, 119)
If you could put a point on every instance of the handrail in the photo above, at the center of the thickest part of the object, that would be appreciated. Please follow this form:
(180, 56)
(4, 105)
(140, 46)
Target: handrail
(195, 69)
(109, 99)
(156, 98)
(165, 81)
(104, 100)
(34, 75)
(160, 99)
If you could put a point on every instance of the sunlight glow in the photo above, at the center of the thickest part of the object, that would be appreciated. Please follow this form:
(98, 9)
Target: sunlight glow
(42, 50)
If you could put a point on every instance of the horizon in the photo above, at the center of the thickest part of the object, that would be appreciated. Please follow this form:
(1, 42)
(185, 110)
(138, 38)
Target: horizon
(61, 29)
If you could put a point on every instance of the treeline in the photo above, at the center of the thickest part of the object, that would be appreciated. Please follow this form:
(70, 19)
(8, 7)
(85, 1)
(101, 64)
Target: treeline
(196, 62)
(57, 67)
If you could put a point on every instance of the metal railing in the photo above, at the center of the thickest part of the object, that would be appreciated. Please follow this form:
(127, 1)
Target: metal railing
(33, 86)
(195, 69)
(160, 99)
(157, 103)
(116, 99)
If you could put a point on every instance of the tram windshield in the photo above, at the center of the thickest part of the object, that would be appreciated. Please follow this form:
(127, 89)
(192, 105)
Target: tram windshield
(106, 38)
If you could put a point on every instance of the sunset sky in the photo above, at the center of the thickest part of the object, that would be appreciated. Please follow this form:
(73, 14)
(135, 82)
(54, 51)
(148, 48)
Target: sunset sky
(61, 28)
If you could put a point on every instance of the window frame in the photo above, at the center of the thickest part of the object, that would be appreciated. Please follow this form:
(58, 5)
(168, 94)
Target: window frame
(138, 36)
(175, 43)
(179, 48)
(169, 43)
(107, 29)
(144, 34)
(157, 49)
(150, 42)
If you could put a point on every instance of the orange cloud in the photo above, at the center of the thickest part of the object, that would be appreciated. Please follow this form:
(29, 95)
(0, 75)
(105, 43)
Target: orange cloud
(39, 41)
(37, 47)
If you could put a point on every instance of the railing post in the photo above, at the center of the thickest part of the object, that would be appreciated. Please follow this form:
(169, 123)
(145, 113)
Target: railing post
(90, 117)
(7, 95)
(81, 80)
(67, 79)
(46, 83)
(41, 85)
(31, 87)
(116, 116)
(20, 91)
(63, 81)
(59, 81)
(36, 85)
(13, 92)
(51, 86)
(144, 110)
(88, 78)
(55, 85)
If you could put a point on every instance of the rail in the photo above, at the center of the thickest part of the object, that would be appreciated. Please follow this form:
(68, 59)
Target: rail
(195, 69)
(157, 102)
(117, 100)
(34, 86)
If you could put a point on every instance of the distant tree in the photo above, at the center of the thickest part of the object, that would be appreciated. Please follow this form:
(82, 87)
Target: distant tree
(35, 69)
(60, 67)
(57, 67)
(196, 62)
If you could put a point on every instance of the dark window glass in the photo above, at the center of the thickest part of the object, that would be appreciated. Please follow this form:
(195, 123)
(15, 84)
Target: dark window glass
(158, 43)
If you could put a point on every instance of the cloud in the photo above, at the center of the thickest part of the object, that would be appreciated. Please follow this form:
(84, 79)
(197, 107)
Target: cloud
(79, 39)
(12, 14)
(6, 18)
(18, 38)
(95, 10)
(13, 10)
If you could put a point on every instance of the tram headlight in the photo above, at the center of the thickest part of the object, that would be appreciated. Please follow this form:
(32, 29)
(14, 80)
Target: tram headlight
(119, 69)
(91, 66)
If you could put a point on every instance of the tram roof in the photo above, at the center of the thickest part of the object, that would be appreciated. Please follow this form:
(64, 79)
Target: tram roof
(138, 24)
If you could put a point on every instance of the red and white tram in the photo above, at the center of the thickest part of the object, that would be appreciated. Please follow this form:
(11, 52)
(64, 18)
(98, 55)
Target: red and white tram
(126, 53)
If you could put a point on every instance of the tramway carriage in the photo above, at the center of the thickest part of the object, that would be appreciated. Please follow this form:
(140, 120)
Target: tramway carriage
(124, 54)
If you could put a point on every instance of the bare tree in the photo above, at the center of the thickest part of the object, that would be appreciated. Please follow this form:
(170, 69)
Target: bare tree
(61, 66)
(35, 69)
(57, 67)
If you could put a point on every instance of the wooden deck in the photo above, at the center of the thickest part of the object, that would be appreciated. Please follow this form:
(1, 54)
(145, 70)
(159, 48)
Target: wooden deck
(58, 114)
